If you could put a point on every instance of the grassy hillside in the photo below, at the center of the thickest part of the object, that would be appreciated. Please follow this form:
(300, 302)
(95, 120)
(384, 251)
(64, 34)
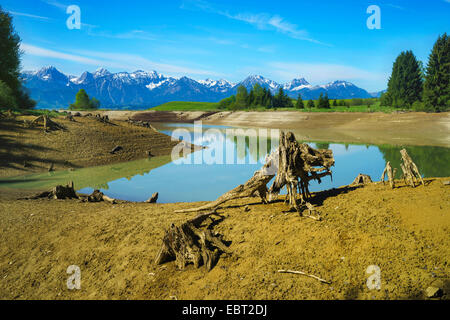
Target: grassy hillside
(187, 106)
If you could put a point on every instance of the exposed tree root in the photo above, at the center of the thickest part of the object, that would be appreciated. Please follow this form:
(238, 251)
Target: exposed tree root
(298, 164)
(188, 243)
(256, 185)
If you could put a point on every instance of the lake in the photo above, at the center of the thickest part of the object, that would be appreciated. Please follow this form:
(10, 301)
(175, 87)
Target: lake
(184, 182)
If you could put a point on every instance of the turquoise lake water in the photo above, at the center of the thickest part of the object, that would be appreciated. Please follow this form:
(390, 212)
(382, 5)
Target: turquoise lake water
(137, 180)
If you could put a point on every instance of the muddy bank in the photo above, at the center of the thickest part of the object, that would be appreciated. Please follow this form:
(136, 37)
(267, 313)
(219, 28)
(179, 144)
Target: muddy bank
(403, 231)
(85, 142)
(412, 128)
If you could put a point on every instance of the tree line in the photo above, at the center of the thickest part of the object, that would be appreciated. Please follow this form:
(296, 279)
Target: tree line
(260, 97)
(257, 97)
(412, 86)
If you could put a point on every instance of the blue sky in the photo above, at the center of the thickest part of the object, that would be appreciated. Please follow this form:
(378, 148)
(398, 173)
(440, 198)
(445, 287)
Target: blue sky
(321, 41)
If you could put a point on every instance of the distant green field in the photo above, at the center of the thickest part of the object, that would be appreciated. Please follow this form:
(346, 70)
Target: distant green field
(187, 106)
(209, 106)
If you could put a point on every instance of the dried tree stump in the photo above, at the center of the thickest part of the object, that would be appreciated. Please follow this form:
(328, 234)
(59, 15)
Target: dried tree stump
(388, 170)
(299, 164)
(188, 243)
(153, 198)
(411, 173)
(47, 123)
(361, 179)
(58, 192)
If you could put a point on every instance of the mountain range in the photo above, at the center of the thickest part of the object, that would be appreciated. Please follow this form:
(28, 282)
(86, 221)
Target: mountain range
(140, 89)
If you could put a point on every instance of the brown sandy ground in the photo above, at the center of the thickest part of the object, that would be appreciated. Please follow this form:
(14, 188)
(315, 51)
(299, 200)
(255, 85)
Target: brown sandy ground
(404, 231)
(86, 142)
(410, 128)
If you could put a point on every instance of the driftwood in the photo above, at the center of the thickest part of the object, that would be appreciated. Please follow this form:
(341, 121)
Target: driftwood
(188, 243)
(305, 274)
(390, 174)
(411, 173)
(361, 179)
(298, 165)
(256, 185)
(47, 123)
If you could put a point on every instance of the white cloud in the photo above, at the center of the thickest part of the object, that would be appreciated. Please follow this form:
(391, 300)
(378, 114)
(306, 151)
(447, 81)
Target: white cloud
(262, 21)
(320, 73)
(127, 62)
(42, 52)
(29, 15)
(56, 4)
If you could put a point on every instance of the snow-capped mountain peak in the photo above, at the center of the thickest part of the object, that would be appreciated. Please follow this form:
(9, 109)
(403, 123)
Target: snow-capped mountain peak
(145, 89)
(296, 85)
(101, 72)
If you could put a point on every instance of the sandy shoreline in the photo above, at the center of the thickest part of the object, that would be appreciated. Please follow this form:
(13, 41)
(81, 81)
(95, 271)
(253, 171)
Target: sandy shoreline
(403, 231)
(86, 142)
(412, 128)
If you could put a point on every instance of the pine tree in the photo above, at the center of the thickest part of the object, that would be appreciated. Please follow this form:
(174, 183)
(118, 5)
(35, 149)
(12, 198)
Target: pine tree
(405, 84)
(82, 102)
(10, 61)
(335, 103)
(320, 101)
(241, 97)
(258, 95)
(251, 98)
(299, 104)
(310, 104)
(437, 80)
(326, 102)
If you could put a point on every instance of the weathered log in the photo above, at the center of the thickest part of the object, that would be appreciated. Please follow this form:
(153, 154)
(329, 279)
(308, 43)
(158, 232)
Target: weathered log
(257, 184)
(361, 179)
(188, 243)
(411, 173)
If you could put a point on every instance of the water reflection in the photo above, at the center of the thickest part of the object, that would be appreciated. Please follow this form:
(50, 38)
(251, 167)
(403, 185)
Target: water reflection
(137, 180)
